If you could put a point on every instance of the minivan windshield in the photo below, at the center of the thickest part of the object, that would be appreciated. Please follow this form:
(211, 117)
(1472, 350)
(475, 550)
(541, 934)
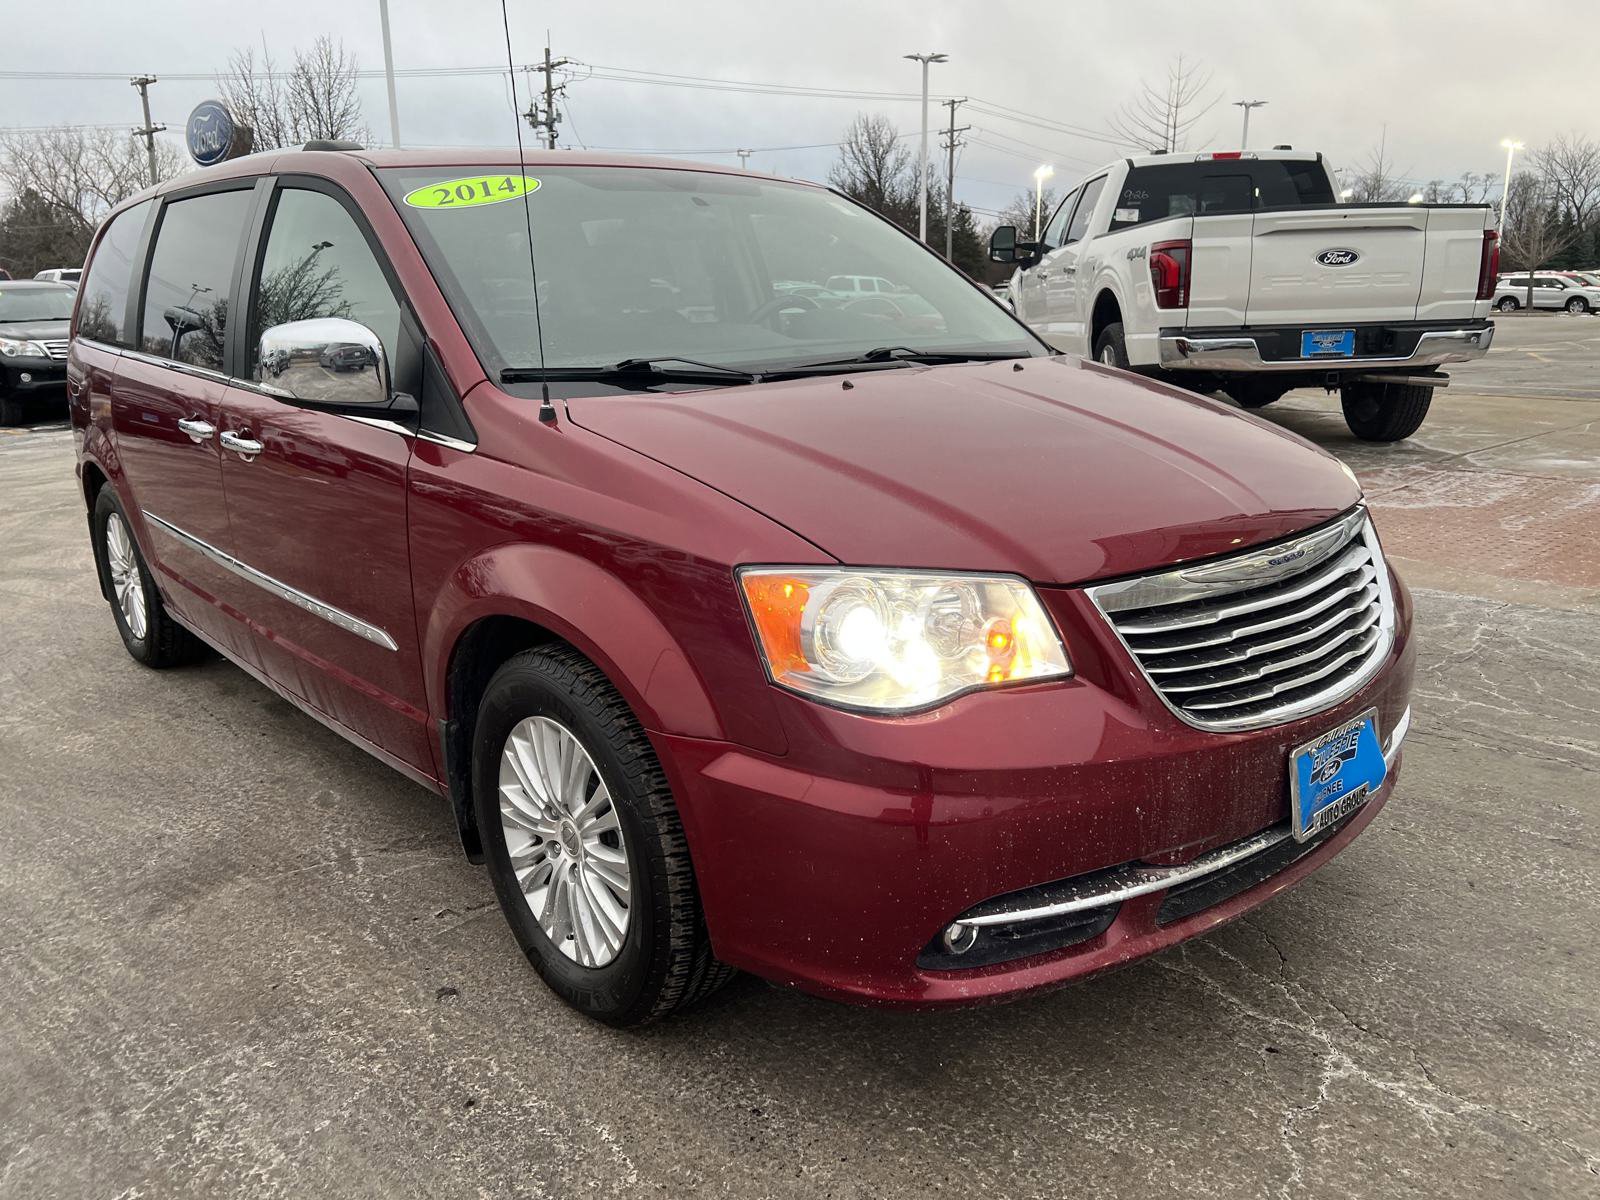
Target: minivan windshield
(646, 264)
(36, 303)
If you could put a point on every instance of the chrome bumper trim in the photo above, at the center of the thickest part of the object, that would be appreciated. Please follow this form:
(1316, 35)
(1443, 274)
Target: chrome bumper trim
(334, 616)
(1242, 353)
(1129, 882)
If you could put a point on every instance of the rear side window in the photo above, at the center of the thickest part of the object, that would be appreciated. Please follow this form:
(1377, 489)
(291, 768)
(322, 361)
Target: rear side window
(1085, 210)
(103, 312)
(1184, 189)
(191, 273)
(317, 264)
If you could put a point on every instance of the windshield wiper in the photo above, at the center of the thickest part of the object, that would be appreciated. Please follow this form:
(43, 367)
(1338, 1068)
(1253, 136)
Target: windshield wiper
(634, 368)
(898, 354)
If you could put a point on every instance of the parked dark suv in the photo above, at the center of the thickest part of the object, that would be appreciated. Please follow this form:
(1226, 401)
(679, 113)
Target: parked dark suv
(889, 657)
(35, 320)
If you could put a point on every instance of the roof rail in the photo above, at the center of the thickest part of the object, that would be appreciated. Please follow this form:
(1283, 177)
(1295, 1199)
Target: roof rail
(332, 144)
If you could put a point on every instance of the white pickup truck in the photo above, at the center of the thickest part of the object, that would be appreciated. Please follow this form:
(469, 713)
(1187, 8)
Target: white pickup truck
(1241, 272)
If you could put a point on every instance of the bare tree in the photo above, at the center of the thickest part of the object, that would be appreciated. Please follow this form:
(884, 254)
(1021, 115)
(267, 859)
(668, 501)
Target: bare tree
(1471, 188)
(316, 97)
(876, 169)
(1163, 114)
(1535, 230)
(1374, 180)
(63, 181)
(1020, 212)
(1570, 170)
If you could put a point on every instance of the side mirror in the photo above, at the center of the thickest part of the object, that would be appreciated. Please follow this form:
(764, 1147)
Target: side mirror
(326, 361)
(1003, 244)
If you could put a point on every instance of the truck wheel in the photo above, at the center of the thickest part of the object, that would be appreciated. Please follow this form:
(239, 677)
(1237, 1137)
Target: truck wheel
(1507, 304)
(10, 409)
(1255, 393)
(1384, 412)
(1577, 305)
(584, 843)
(1111, 348)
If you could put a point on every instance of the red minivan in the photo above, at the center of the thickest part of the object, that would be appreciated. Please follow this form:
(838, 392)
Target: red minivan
(744, 624)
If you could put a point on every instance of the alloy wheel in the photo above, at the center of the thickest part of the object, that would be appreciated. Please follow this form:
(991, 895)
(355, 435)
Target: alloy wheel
(1108, 355)
(126, 581)
(564, 837)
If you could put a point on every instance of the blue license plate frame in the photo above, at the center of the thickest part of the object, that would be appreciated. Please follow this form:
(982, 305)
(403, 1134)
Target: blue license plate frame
(1335, 774)
(1327, 343)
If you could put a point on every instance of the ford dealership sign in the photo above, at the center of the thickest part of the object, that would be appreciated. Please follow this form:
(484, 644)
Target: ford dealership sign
(214, 136)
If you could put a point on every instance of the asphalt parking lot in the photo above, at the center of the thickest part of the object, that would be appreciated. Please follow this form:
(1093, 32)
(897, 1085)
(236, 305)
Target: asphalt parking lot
(238, 956)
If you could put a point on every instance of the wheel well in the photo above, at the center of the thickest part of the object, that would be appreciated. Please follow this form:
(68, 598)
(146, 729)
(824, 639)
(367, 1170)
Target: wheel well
(1106, 312)
(93, 480)
(477, 655)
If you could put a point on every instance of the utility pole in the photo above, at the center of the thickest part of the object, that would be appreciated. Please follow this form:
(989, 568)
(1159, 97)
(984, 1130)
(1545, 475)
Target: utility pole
(744, 159)
(149, 130)
(950, 179)
(922, 157)
(1247, 105)
(548, 119)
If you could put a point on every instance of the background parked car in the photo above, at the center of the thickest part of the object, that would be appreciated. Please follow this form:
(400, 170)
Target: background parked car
(61, 275)
(863, 285)
(1547, 291)
(35, 321)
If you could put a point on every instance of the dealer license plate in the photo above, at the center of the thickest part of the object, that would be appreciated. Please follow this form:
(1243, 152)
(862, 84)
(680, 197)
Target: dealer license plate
(1331, 777)
(1328, 343)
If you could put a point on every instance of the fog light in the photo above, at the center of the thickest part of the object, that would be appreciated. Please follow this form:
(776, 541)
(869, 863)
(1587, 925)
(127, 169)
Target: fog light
(26, 377)
(959, 938)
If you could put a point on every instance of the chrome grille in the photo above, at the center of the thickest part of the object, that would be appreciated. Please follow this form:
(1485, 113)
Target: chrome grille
(1262, 637)
(55, 349)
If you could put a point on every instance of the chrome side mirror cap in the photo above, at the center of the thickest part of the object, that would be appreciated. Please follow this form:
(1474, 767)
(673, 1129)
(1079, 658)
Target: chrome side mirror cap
(326, 361)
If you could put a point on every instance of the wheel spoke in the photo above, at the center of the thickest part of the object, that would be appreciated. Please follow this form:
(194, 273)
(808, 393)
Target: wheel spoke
(521, 810)
(585, 816)
(520, 758)
(612, 871)
(611, 917)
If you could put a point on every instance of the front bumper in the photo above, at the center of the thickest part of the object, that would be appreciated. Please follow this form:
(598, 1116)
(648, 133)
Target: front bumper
(1406, 345)
(33, 376)
(838, 868)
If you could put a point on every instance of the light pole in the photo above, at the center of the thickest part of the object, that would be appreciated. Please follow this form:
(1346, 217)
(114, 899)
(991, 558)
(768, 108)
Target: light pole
(922, 157)
(388, 74)
(1247, 105)
(1505, 192)
(1039, 177)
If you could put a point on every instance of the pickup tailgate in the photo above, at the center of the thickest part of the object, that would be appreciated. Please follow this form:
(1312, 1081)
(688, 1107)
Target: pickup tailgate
(1325, 265)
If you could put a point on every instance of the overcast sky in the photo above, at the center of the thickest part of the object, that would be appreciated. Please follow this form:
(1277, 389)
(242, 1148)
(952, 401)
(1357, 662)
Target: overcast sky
(1450, 78)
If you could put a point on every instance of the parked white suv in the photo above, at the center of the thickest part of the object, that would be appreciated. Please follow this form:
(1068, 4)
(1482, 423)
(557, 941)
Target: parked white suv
(862, 285)
(1547, 291)
(1239, 271)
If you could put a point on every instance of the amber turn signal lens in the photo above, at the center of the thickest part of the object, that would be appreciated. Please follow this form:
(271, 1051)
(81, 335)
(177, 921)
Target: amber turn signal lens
(776, 602)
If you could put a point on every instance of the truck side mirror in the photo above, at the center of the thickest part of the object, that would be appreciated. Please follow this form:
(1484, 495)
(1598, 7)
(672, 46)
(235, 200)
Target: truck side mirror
(1003, 244)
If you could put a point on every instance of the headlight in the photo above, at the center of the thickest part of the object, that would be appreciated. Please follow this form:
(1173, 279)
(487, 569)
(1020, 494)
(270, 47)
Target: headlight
(892, 641)
(12, 348)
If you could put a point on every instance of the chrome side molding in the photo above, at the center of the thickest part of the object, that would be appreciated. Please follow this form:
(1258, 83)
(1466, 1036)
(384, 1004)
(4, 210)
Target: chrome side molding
(330, 614)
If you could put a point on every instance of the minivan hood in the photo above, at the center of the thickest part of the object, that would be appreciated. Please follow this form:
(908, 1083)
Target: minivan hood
(1058, 469)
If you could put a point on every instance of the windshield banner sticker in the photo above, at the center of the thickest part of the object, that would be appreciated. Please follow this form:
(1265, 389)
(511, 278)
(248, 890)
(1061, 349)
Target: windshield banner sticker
(470, 191)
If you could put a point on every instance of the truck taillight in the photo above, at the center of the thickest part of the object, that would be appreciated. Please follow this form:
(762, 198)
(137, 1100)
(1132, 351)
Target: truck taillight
(1489, 264)
(1169, 273)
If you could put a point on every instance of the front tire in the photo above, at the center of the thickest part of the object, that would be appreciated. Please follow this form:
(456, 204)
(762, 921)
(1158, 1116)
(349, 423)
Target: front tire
(1577, 305)
(1384, 412)
(584, 842)
(1111, 347)
(11, 409)
(150, 635)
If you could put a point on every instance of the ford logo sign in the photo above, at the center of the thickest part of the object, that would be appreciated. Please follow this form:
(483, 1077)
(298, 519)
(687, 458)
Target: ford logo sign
(213, 135)
(1337, 258)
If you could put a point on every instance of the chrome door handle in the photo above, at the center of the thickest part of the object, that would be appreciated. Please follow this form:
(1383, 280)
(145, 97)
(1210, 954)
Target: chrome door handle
(197, 429)
(1069, 270)
(1042, 273)
(246, 448)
